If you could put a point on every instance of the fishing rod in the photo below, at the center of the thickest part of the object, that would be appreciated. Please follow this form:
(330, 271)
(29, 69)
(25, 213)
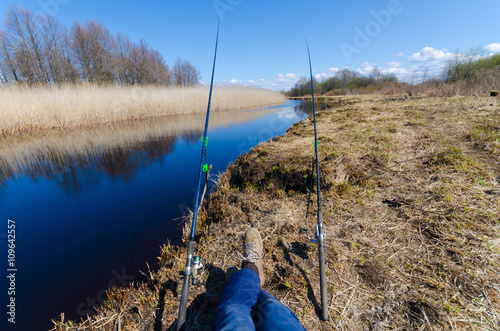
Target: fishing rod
(194, 262)
(320, 234)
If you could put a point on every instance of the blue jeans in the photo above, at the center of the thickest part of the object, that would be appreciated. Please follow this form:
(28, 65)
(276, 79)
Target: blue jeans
(244, 306)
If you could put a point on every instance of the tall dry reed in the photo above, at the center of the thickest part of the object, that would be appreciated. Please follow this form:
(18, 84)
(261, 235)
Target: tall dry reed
(66, 107)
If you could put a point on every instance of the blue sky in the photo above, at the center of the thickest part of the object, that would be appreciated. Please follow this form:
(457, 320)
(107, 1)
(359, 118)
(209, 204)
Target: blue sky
(261, 41)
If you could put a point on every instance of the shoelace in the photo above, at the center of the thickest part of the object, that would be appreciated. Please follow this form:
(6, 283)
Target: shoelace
(251, 254)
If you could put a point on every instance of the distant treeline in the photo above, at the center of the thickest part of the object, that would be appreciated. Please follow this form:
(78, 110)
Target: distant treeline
(465, 73)
(342, 81)
(40, 50)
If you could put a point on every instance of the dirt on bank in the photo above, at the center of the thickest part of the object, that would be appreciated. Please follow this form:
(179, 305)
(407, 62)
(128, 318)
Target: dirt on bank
(411, 205)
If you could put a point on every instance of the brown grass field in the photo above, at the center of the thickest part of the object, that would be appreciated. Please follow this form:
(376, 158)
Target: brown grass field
(411, 203)
(28, 109)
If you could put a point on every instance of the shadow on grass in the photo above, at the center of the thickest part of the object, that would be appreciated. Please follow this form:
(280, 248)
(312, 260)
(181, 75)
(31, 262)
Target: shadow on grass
(201, 310)
(288, 258)
(170, 285)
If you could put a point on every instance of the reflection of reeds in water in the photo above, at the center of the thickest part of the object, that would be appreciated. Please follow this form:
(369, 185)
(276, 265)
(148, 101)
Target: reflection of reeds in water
(114, 149)
(39, 108)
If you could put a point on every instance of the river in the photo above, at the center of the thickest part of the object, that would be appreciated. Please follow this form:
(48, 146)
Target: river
(89, 219)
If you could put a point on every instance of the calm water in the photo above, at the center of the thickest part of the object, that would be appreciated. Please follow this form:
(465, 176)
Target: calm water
(93, 223)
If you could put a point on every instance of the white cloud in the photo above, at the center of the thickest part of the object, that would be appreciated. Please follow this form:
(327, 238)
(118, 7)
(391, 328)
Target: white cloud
(282, 82)
(396, 70)
(287, 78)
(400, 54)
(325, 75)
(234, 81)
(394, 64)
(321, 76)
(366, 68)
(400, 73)
(429, 54)
(492, 48)
(429, 60)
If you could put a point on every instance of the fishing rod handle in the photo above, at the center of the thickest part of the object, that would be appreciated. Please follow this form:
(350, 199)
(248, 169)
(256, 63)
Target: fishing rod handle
(322, 267)
(185, 287)
(322, 279)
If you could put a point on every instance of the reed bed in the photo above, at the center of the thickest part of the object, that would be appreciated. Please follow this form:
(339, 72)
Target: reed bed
(25, 109)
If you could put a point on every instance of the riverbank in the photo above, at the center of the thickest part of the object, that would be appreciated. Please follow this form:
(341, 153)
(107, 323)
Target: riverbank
(29, 109)
(411, 200)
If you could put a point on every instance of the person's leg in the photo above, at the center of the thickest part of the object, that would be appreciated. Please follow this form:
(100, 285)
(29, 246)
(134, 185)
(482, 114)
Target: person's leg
(270, 314)
(242, 290)
(238, 297)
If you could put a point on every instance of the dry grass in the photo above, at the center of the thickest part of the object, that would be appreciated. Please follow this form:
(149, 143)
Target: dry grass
(411, 210)
(26, 109)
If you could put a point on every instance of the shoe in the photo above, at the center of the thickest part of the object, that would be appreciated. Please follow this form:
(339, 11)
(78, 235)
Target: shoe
(253, 253)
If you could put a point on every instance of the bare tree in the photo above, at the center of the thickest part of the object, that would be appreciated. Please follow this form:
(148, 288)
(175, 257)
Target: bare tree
(185, 74)
(70, 72)
(102, 47)
(139, 63)
(79, 48)
(462, 65)
(93, 46)
(23, 32)
(56, 50)
(425, 75)
(124, 65)
(4, 79)
(143, 72)
(9, 71)
(376, 74)
(346, 76)
(161, 73)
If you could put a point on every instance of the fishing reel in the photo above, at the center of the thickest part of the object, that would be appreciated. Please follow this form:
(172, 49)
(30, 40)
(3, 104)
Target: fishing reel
(197, 266)
(316, 234)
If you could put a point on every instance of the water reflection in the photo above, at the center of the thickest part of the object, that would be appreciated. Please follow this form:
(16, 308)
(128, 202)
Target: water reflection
(74, 159)
(77, 172)
(307, 107)
(192, 137)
